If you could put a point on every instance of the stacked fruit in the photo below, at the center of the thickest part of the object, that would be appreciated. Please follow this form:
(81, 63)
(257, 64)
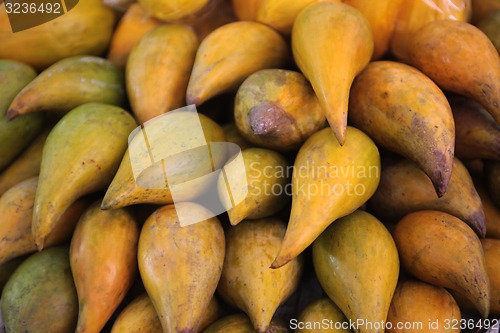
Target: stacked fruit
(372, 127)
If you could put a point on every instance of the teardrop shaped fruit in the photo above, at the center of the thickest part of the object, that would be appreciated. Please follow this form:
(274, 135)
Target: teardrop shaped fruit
(440, 249)
(267, 182)
(70, 83)
(356, 262)
(171, 10)
(15, 135)
(447, 52)
(489, 25)
(16, 215)
(477, 133)
(332, 43)
(414, 14)
(417, 304)
(277, 109)
(158, 70)
(187, 142)
(280, 14)
(75, 162)
(181, 265)
(222, 62)
(247, 281)
(492, 175)
(25, 166)
(134, 24)
(140, 316)
(402, 110)
(317, 312)
(382, 16)
(491, 248)
(103, 262)
(84, 29)
(40, 296)
(329, 181)
(404, 188)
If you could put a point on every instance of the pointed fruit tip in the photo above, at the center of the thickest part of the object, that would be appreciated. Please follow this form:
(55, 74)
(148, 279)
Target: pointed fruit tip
(478, 223)
(11, 114)
(339, 134)
(279, 262)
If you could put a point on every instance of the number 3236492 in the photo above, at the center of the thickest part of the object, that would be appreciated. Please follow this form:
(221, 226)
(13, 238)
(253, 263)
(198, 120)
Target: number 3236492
(463, 324)
(33, 8)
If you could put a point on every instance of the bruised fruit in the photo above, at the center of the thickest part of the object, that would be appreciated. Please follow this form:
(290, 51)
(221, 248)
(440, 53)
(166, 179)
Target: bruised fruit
(222, 62)
(404, 188)
(75, 162)
(103, 261)
(277, 109)
(440, 249)
(332, 43)
(404, 111)
(329, 181)
(266, 184)
(69, 83)
(40, 296)
(158, 70)
(356, 262)
(447, 52)
(180, 265)
(247, 281)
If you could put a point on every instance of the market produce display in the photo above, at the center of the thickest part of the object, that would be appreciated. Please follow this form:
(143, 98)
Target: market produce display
(260, 166)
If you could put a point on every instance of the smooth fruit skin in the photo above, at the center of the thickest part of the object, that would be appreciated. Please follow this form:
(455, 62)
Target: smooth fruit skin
(26, 165)
(15, 135)
(329, 181)
(85, 29)
(419, 303)
(403, 111)
(332, 43)
(75, 161)
(40, 296)
(69, 83)
(277, 109)
(222, 52)
(477, 133)
(404, 188)
(16, 215)
(247, 281)
(491, 248)
(447, 52)
(356, 262)
(180, 266)
(158, 69)
(236, 323)
(320, 310)
(266, 181)
(103, 255)
(171, 10)
(442, 250)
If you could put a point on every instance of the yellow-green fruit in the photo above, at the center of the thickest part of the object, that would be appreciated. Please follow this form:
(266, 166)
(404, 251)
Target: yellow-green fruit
(223, 61)
(266, 182)
(247, 281)
(103, 262)
(416, 304)
(329, 181)
(69, 83)
(332, 43)
(40, 296)
(26, 165)
(85, 29)
(189, 152)
(158, 70)
(277, 109)
(15, 135)
(402, 110)
(81, 156)
(180, 265)
(240, 323)
(313, 317)
(440, 249)
(356, 262)
(171, 10)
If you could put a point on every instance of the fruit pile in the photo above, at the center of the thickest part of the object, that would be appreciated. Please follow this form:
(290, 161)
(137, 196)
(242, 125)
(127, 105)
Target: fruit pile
(352, 148)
